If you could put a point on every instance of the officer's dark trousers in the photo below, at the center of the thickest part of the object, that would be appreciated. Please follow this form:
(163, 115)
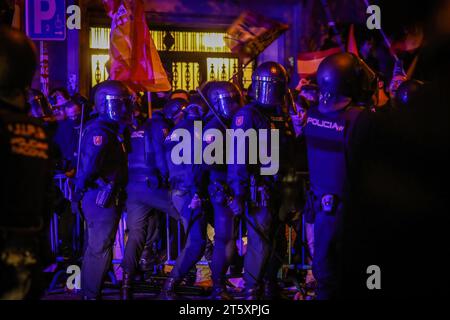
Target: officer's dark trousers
(102, 226)
(325, 267)
(140, 201)
(224, 242)
(194, 224)
(258, 249)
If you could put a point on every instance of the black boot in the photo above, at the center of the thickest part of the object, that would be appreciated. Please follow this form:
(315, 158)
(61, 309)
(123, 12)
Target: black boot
(147, 260)
(126, 291)
(168, 290)
(220, 292)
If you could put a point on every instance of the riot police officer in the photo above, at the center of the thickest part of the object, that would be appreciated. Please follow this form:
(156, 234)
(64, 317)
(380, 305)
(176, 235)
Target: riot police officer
(101, 178)
(328, 133)
(226, 99)
(25, 176)
(185, 196)
(147, 184)
(269, 82)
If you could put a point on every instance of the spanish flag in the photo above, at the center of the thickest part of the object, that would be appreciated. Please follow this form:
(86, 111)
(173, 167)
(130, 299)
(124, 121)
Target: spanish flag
(133, 55)
(308, 62)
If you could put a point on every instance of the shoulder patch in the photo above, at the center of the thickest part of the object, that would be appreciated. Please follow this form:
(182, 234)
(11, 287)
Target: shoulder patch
(165, 131)
(239, 120)
(98, 140)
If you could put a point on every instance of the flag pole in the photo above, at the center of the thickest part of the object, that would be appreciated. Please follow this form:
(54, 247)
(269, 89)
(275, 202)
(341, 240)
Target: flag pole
(331, 23)
(149, 104)
(241, 69)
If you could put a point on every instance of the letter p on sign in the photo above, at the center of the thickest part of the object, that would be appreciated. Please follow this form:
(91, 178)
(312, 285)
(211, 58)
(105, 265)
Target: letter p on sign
(46, 19)
(43, 14)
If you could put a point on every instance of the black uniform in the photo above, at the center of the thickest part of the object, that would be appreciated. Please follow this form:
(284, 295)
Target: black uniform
(102, 177)
(260, 191)
(328, 137)
(147, 186)
(215, 177)
(182, 179)
(25, 184)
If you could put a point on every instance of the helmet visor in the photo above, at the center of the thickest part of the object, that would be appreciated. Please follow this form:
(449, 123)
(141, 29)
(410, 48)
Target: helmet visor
(119, 108)
(227, 105)
(269, 92)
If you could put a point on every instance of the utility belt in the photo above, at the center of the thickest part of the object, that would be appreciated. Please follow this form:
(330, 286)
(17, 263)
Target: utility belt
(152, 181)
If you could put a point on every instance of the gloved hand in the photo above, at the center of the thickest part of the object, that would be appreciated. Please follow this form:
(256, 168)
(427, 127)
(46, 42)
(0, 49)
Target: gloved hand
(237, 206)
(196, 202)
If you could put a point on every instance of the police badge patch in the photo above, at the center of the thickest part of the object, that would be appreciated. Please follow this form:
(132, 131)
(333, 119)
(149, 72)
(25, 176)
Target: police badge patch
(239, 121)
(98, 140)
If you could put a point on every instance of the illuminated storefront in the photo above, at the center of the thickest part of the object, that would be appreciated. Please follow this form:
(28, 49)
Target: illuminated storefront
(190, 57)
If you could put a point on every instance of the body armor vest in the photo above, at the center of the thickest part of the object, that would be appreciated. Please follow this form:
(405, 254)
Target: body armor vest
(327, 138)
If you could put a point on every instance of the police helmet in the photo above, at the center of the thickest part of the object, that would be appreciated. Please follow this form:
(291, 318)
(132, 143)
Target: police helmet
(174, 108)
(18, 61)
(225, 97)
(269, 83)
(195, 110)
(196, 107)
(345, 75)
(113, 101)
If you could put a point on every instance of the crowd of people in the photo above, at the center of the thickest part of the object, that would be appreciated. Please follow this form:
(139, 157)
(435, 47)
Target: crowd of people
(341, 127)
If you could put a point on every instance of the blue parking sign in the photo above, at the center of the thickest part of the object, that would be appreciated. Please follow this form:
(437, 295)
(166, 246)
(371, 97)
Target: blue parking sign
(46, 19)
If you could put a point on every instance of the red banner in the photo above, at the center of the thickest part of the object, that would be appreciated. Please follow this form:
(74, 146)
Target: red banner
(352, 47)
(133, 55)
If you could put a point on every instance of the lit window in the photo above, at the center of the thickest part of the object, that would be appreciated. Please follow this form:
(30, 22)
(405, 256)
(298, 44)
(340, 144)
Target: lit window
(99, 38)
(186, 75)
(99, 71)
